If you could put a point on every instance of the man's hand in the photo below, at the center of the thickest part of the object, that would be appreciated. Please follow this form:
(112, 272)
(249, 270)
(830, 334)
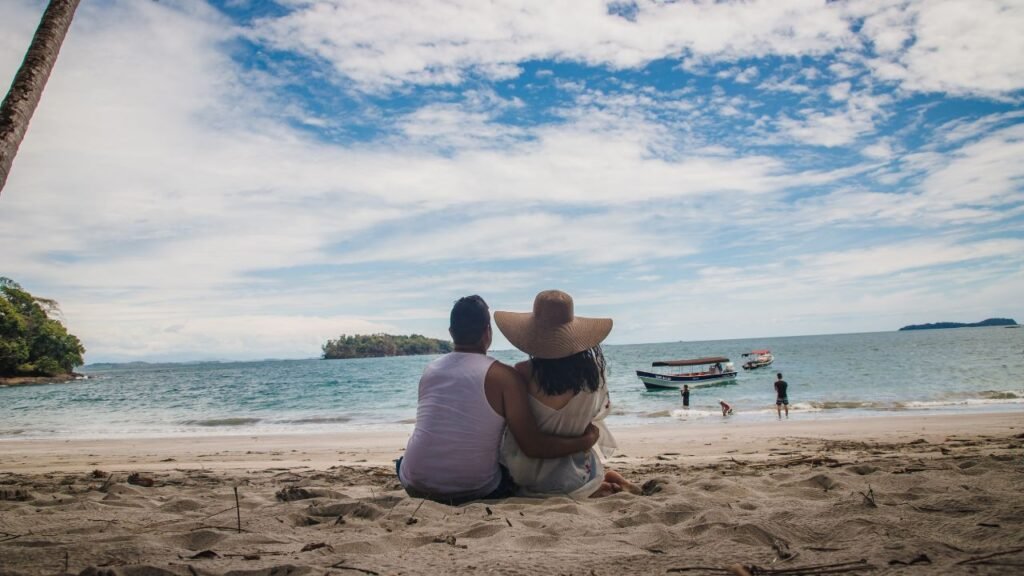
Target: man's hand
(591, 435)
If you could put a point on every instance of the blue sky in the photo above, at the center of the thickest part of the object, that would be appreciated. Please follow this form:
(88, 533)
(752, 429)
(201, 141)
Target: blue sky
(241, 179)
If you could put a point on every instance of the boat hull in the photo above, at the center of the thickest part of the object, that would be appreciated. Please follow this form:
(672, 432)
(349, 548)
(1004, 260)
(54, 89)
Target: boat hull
(675, 381)
(756, 365)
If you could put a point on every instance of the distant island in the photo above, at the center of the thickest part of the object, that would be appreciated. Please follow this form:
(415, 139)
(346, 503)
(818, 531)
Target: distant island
(937, 325)
(380, 345)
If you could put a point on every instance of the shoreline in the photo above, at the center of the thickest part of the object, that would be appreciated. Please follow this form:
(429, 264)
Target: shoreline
(699, 441)
(700, 416)
(36, 380)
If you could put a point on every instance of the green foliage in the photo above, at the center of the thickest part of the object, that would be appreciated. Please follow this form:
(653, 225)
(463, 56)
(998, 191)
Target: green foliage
(377, 345)
(32, 343)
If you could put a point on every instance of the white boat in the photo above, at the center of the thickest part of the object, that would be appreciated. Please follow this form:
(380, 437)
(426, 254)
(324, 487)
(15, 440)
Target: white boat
(697, 373)
(758, 359)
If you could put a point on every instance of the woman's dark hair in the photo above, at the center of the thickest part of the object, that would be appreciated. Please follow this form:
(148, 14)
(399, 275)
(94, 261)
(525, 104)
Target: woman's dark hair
(579, 372)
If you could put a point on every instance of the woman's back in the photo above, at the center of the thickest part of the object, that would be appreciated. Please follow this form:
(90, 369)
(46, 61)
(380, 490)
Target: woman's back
(566, 414)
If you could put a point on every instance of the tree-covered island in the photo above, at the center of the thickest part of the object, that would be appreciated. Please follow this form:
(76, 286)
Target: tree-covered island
(940, 325)
(32, 344)
(379, 345)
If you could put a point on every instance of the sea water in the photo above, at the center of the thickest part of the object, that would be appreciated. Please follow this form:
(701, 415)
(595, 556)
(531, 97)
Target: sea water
(831, 376)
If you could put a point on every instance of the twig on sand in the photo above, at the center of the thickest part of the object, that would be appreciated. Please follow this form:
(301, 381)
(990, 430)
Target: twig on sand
(11, 537)
(338, 566)
(814, 570)
(869, 497)
(65, 562)
(987, 556)
(238, 511)
(203, 526)
(256, 553)
(412, 518)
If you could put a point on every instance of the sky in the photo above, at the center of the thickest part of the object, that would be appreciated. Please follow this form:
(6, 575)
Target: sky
(240, 179)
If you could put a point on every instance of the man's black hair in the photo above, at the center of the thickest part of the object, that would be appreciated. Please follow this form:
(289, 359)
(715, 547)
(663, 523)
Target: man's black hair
(470, 319)
(780, 375)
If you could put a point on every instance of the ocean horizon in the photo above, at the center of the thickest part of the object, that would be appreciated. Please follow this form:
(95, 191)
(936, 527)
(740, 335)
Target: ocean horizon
(834, 376)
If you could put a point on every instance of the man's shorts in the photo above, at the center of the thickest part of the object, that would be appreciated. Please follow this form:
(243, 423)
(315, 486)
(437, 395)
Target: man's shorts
(506, 489)
(782, 400)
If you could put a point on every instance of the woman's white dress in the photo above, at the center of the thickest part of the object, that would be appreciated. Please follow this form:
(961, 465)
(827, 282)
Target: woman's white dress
(577, 475)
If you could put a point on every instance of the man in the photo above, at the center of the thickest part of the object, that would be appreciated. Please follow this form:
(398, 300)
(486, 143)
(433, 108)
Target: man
(466, 399)
(686, 395)
(781, 396)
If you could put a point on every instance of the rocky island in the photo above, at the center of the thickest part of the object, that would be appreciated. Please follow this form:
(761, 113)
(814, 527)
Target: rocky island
(381, 345)
(938, 325)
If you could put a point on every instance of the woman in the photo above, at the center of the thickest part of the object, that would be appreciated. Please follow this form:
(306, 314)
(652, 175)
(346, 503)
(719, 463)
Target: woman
(567, 390)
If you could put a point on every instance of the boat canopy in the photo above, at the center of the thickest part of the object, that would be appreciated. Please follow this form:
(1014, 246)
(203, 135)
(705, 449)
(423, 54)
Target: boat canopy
(694, 362)
(756, 352)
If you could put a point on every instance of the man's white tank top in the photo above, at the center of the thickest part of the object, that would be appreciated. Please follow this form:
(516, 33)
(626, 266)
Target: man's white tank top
(453, 450)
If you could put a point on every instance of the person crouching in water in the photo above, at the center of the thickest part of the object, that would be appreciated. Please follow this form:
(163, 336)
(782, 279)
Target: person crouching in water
(565, 378)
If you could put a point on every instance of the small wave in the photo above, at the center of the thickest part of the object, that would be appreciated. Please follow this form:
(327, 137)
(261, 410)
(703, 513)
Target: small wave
(222, 422)
(999, 395)
(14, 432)
(658, 414)
(407, 421)
(685, 414)
(319, 420)
(842, 405)
(924, 405)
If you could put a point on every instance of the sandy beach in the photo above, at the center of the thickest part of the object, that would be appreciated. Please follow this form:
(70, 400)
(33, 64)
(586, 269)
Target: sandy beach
(937, 494)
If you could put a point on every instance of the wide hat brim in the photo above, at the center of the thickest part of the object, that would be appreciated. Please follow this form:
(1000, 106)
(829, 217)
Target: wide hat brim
(552, 330)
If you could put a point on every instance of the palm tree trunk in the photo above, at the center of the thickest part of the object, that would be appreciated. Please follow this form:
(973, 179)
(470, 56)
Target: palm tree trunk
(27, 88)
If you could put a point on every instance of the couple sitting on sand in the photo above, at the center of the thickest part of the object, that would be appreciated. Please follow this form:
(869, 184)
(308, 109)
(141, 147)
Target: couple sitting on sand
(485, 430)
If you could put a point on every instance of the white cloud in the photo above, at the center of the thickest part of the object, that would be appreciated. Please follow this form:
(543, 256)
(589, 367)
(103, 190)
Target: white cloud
(986, 173)
(537, 235)
(881, 150)
(379, 44)
(783, 85)
(841, 127)
(840, 91)
(978, 183)
(955, 46)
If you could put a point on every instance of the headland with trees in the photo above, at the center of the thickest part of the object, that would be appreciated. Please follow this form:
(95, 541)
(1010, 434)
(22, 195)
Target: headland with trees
(34, 345)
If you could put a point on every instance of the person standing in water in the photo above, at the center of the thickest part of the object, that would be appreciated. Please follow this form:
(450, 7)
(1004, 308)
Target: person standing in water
(686, 395)
(781, 396)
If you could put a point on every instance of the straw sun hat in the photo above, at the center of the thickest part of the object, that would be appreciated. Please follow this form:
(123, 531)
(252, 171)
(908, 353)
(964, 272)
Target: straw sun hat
(552, 330)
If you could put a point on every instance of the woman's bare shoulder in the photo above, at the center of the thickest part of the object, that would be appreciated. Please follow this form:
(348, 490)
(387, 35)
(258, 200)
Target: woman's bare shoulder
(525, 368)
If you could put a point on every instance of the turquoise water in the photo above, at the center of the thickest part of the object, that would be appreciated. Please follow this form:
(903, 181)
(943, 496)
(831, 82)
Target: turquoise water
(832, 376)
